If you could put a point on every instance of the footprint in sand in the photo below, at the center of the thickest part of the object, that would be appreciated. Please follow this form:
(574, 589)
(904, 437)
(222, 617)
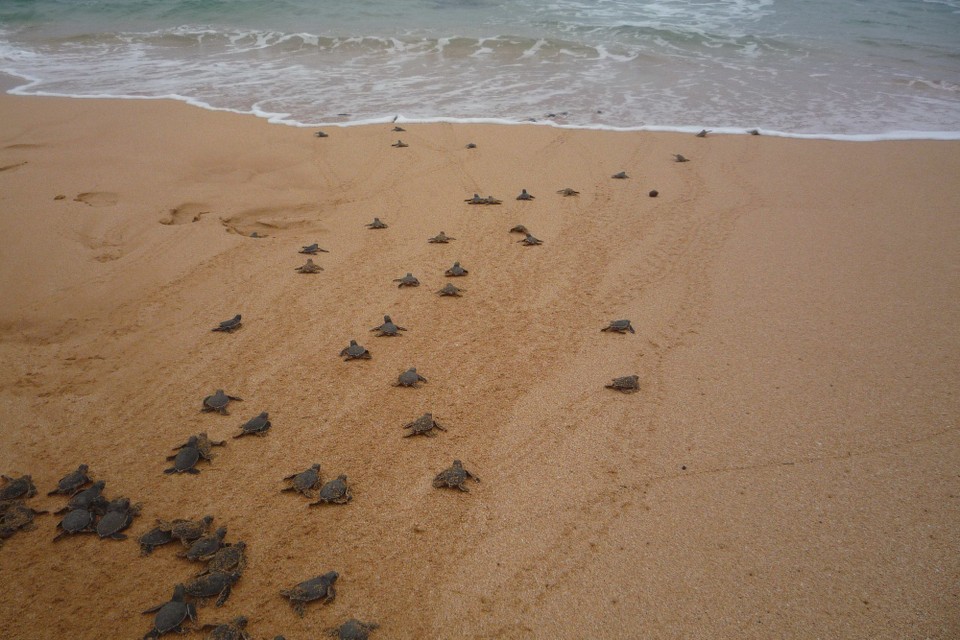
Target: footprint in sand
(98, 198)
(185, 213)
(12, 167)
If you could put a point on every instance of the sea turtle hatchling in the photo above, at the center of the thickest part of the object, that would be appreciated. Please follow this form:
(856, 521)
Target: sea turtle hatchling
(567, 192)
(398, 129)
(203, 443)
(753, 132)
(255, 426)
(304, 482)
(17, 488)
(318, 588)
(423, 426)
(228, 326)
(519, 229)
(399, 144)
(90, 498)
(170, 615)
(530, 241)
(377, 224)
(679, 158)
(471, 145)
(524, 195)
(205, 548)
(354, 351)
(233, 630)
(440, 238)
(309, 267)
(185, 460)
(334, 492)
(409, 378)
(626, 384)
(186, 531)
(312, 249)
(450, 290)
(620, 176)
(702, 133)
(16, 516)
(620, 326)
(119, 516)
(215, 583)
(218, 402)
(476, 199)
(152, 539)
(388, 328)
(455, 271)
(73, 481)
(408, 280)
(232, 559)
(76, 521)
(492, 200)
(455, 477)
(321, 134)
(353, 629)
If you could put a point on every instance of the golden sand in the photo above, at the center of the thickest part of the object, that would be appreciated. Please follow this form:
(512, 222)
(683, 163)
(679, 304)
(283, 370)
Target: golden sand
(788, 469)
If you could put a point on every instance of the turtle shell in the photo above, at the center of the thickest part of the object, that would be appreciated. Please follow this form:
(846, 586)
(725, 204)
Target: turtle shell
(156, 537)
(76, 520)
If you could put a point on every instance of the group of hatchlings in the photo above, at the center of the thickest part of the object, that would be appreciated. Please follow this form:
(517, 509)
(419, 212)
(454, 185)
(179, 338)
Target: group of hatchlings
(89, 511)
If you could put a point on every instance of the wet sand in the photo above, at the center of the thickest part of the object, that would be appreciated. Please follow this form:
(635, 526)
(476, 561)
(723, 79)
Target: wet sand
(788, 468)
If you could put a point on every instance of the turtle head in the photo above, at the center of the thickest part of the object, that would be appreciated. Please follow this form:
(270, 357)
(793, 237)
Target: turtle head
(413, 369)
(353, 343)
(387, 319)
(240, 545)
(99, 485)
(119, 504)
(179, 593)
(342, 478)
(457, 464)
(221, 533)
(456, 264)
(264, 415)
(207, 520)
(238, 317)
(83, 468)
(331, 575)
(240, 621)
(192, 441)
(315, 466)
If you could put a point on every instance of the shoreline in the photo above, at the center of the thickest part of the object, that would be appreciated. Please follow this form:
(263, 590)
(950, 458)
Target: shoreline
(9, 85)
(788, 467)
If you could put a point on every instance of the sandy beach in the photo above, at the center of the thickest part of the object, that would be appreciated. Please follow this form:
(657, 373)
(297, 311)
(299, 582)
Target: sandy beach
(788, 468)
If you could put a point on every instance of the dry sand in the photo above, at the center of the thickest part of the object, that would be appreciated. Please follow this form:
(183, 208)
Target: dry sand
(789, 468)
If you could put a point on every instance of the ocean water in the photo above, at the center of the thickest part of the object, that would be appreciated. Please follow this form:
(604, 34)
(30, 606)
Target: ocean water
(860, 69)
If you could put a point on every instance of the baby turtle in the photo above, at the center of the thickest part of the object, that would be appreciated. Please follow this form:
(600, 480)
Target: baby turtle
(233, 630)
(455, 271)
(626, 384)
(653, 193)
(309, 267)
(753, 132)
(186, 459)
(409, 378)
(152, 539)
(377, 224)
(566, 192)
(227, 326)
(76, 521)
(400, 144)
(334, 492)
(73, 481)
(304, 482)
(524, 195)
(217, 583)
(205, 548)
(423, 426)
(255, 234)
(218, 402)
(702, 134)
(17, 488)
(320, 587)
(476, 199)
(620, 176)
(398, 129)
(16, 516)
(519, 229)
(170, 615)
(118, 517)
(232, 559)
(471, 145)
(440, 238)
(186, 531)
(492, 200)
(353, 629)
(450, 290)
(454, 477)
(203, 443)
(408, 280)
(530, 241)
(321, 134)
(90, 498)
(679, 158)
(620, 326)
(256, 426)
(388, 328)
(354, 352)
(312, 249)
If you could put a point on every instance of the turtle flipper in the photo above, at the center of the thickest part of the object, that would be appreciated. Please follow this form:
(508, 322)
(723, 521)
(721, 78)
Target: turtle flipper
(223, 597)
(170, 471)
(193, 471)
